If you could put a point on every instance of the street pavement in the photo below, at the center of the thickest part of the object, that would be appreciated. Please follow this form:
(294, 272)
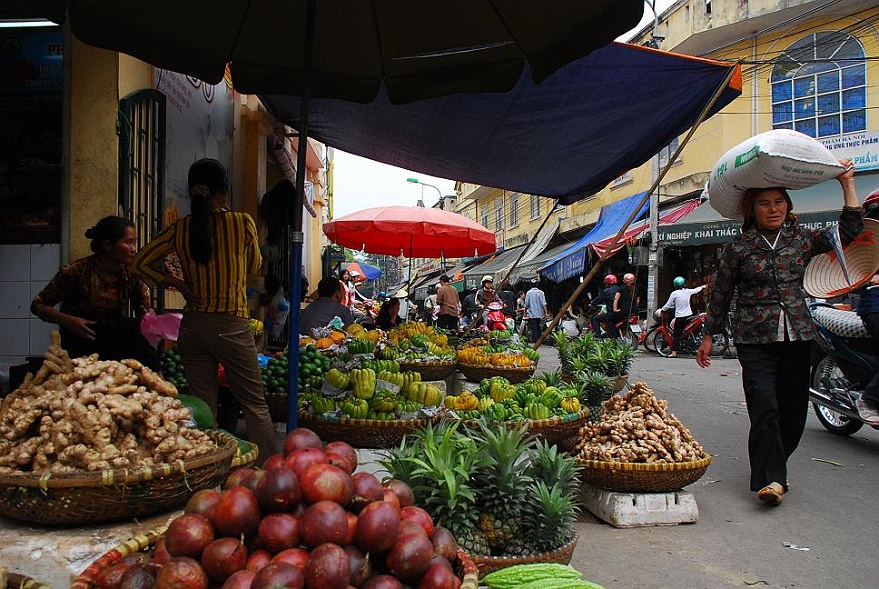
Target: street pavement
(823, 535)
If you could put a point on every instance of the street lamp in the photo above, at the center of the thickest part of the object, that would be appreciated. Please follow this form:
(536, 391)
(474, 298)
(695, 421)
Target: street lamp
(423, 184)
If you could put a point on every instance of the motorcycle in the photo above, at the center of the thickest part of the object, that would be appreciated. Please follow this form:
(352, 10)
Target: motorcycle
(630, 329)
(691, 337)
(845, 361)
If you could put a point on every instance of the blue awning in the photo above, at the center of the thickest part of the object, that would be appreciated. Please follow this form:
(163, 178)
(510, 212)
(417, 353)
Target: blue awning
(593, 119)
(572, 261)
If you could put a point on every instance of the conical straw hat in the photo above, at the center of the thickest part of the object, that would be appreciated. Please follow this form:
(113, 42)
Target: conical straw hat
(825, 277)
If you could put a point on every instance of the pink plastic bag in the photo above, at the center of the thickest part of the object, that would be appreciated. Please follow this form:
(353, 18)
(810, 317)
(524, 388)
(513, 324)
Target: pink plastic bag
(158, 327)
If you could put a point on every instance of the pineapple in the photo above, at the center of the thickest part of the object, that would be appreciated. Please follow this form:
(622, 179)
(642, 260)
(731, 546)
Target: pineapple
(548, 524)
(553, 467)
(501, 484)
(440, 462)
(552, 378)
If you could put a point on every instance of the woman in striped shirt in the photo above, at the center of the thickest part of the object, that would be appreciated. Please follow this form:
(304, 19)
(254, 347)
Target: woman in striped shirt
(217, 248)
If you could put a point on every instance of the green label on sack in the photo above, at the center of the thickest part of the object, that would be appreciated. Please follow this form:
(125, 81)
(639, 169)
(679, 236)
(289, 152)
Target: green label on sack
(744, 158)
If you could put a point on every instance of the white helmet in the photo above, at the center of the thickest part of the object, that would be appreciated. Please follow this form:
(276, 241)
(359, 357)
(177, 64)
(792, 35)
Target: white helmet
(487, 278)
(353, 273)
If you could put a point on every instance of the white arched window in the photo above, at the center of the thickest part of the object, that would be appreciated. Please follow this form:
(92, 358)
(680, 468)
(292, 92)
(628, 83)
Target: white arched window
(819, 86)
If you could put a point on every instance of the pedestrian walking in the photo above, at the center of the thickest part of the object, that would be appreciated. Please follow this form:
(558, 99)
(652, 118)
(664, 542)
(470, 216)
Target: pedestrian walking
(764, 266)
(447, 301)
(536, 310)
(217, 249)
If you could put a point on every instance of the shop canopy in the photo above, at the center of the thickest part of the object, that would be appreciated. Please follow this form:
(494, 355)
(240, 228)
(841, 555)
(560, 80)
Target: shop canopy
(564, 138)
(817, 207)
(572, 261)
(530, 269)
(638, 229)
(495, 267)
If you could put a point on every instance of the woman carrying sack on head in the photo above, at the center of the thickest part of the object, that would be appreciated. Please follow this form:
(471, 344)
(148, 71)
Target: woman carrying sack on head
(217, 248)
(765, 266)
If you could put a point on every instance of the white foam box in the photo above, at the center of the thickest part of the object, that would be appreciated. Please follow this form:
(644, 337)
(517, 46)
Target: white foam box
(628, 510)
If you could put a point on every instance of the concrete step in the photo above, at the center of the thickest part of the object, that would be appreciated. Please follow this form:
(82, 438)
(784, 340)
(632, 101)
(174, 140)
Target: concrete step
(627, 510)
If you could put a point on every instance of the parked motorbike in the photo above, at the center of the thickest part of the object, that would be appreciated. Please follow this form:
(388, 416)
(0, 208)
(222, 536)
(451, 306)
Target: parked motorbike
(846, 360)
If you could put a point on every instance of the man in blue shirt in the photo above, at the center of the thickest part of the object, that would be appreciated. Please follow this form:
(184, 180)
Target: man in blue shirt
(535, 310)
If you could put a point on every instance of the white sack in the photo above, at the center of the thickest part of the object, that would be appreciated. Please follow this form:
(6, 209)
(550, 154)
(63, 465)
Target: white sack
(777, 158)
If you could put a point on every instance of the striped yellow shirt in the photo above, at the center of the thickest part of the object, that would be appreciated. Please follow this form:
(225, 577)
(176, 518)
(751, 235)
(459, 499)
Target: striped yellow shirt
(220, 286)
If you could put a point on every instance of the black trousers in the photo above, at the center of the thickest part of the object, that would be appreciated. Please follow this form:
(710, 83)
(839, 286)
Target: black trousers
(115, 339)
(775, 378)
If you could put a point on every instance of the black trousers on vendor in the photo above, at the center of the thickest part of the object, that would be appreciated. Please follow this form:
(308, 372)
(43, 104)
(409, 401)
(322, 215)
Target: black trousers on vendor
(775, 377)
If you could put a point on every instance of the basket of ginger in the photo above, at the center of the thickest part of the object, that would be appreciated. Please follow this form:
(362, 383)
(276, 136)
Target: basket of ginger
(88, 440)
(638, 446)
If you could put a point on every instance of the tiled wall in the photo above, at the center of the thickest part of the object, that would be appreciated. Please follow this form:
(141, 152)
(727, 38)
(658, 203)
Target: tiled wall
(24, 271)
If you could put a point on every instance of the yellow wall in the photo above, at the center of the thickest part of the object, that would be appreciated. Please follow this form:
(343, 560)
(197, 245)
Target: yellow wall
(91, 99)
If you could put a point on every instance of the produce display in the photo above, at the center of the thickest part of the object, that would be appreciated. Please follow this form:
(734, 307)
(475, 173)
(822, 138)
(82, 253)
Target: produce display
(376, 390)
(306, 521)
(496, 398)
(312, 366)
(418, 342)
(91, 414)
(637, 427)
(497, 489)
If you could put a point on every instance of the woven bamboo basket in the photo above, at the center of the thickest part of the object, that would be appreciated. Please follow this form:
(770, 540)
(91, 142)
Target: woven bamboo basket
(514, 375)
(489, 564)
(90, 497)
(244, 456)
(643, 477)
(464, 565)
(431, 370)
(553, 430)
(15, 581)
(362, 433)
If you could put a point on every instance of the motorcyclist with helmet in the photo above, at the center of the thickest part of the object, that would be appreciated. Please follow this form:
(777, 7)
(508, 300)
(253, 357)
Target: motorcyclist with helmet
(680, 302)
(485, 295)
(868, 311)
(608, 297)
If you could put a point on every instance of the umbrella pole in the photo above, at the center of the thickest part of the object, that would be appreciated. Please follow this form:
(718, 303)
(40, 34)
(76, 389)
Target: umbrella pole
(296, 237)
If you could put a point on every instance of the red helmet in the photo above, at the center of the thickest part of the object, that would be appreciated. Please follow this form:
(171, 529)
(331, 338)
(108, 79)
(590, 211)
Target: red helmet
(610, 279)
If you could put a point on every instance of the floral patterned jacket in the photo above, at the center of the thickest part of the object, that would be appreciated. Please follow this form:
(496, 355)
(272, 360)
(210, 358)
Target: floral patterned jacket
(766, 282)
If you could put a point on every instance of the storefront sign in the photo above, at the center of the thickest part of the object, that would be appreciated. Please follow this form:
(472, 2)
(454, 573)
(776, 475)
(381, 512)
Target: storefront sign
(570, 265)
(31, 66)
(861, 148)
(687, 234)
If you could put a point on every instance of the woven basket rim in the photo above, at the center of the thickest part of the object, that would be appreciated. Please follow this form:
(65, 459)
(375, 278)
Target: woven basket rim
(449, 362)
(227, 447)
(349, 421)
(499, 368)
(19, 581)
(531, 558)
(537, 423)
(245, 458)
(647, 466)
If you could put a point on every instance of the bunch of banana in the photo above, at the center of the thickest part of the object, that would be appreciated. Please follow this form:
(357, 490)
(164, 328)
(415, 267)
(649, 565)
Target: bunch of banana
(423, 393)
(382, 365)
(363, 381)
(360, 346)
(409, 377)
(338, 379)
(383, 401)
(395, 378)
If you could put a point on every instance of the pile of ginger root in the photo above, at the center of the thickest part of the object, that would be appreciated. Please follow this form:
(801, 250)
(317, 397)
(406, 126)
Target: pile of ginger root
(637, 427)
(91, 414)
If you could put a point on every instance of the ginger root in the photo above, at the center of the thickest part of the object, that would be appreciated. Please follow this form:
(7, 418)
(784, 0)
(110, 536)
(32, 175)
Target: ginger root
(92, 414)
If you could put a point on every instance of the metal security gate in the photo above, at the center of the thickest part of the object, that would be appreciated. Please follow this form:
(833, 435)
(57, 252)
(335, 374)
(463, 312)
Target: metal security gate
(141, 130)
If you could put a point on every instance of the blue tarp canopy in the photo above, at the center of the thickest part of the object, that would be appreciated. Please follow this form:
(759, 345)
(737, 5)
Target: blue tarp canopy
(612, 217)
(564, 138)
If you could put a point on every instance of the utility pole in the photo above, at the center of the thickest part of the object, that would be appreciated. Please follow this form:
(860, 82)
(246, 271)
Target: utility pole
(655, 251)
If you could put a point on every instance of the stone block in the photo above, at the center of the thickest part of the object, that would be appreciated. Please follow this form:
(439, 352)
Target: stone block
(626, 510)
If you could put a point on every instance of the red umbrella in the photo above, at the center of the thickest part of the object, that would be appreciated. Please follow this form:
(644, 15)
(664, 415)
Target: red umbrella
(414, 232)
